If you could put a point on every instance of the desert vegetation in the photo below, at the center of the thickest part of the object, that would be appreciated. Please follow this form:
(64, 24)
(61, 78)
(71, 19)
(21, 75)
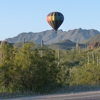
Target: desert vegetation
(29, 70)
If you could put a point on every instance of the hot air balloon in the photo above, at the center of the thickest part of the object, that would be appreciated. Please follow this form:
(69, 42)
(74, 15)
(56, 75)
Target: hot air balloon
(55, 19)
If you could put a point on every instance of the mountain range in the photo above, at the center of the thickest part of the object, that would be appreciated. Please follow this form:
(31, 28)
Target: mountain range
(49, 36)
(92, 40)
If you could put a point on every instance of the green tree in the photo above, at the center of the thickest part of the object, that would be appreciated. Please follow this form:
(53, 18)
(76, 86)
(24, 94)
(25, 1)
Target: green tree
(6, 65)
(33, 72)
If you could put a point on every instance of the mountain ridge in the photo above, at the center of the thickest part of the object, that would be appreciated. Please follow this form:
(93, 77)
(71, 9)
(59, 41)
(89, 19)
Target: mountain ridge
(49, 36)
(93, 39)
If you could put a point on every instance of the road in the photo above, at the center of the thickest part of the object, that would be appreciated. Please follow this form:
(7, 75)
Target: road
(73, 96)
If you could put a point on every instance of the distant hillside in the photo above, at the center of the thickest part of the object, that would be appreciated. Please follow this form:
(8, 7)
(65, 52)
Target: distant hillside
(65, 44)
(93, 39)
(49, 36)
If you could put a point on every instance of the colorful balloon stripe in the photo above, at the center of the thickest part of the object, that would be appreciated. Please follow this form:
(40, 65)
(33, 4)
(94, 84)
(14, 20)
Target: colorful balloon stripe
(55, 19)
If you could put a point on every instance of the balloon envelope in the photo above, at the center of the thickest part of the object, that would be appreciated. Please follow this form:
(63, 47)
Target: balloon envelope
(55, 19)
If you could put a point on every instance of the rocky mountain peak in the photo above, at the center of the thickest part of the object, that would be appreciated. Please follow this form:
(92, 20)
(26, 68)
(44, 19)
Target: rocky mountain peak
(49, 36)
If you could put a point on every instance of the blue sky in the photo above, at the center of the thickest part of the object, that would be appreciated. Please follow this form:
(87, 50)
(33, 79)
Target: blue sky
(17, 16)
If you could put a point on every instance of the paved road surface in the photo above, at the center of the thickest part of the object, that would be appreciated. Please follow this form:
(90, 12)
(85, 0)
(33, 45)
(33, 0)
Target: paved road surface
(76, 96)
